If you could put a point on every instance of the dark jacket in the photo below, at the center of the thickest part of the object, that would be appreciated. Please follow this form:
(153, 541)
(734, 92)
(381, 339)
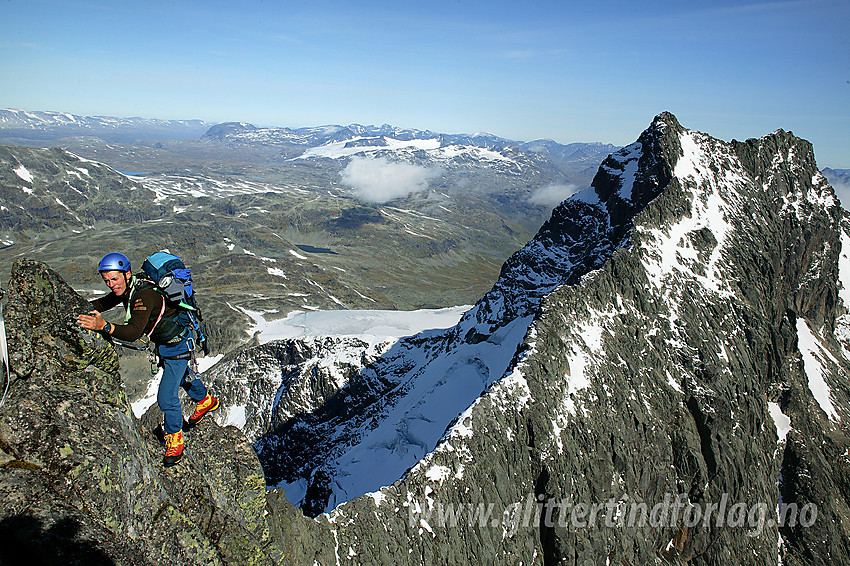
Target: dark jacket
(149, 312)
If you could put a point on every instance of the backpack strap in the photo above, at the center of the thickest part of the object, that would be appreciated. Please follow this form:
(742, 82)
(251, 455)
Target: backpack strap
(133, 284)
(136, 284)
(140, 285)
(161, 312)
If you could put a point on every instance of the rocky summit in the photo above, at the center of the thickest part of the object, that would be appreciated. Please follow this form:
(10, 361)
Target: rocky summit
(660, 376)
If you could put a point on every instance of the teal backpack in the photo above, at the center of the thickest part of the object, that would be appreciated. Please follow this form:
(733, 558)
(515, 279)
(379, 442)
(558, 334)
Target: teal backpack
(173, 280)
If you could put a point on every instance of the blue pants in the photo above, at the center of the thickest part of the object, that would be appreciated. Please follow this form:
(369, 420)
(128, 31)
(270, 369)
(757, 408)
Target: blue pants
(176, 374)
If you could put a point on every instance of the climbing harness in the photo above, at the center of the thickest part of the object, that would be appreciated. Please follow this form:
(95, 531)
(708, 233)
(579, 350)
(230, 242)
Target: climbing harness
(146, 346)
(155, 358)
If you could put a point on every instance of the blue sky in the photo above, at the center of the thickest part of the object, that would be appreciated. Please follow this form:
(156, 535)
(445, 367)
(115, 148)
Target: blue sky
(570, 71)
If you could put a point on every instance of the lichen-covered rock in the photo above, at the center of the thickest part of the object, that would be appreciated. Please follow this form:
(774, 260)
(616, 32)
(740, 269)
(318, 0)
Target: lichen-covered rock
(81, 478)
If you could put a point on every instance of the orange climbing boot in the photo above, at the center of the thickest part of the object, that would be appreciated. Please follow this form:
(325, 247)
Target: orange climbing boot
(173, 448)
(205, 405)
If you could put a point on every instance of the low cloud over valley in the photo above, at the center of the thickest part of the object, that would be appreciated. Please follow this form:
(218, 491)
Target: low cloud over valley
(378, 180)
(552, 194)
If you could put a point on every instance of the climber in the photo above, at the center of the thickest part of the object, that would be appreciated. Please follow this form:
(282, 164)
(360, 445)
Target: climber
(151, 315)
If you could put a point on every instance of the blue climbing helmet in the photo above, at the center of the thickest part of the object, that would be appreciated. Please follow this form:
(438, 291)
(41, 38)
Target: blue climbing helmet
(114, 262)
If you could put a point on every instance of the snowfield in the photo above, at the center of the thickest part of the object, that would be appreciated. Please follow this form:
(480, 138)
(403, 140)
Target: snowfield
(367, 325)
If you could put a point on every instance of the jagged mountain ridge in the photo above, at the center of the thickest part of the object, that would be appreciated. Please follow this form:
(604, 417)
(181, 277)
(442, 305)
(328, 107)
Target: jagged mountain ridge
(578, 238)
(253, 376)
(681, 328)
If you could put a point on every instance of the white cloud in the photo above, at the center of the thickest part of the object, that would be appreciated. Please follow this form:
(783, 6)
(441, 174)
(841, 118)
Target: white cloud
(378, 180)
(552, 194)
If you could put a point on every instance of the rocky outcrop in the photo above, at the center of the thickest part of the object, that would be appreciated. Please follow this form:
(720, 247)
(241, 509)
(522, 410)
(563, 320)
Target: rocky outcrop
(271, 384)
(81, 479)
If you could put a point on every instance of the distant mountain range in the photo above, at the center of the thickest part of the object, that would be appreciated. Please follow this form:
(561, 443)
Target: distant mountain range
(44, 126)
(262, 145)
(424, 221)
(356, 136)
(838, 178)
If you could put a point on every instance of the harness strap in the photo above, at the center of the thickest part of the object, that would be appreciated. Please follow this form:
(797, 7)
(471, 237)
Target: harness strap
(161, 312)
(133, 287)
(183, 356)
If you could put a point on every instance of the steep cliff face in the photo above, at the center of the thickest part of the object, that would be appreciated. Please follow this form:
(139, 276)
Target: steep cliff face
(654, 377)
(81, 479)
(270, 384)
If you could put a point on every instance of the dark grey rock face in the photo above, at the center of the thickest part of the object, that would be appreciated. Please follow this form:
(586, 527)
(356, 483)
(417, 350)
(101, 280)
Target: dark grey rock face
(81, 479)
(682, 384)
(271, 384)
